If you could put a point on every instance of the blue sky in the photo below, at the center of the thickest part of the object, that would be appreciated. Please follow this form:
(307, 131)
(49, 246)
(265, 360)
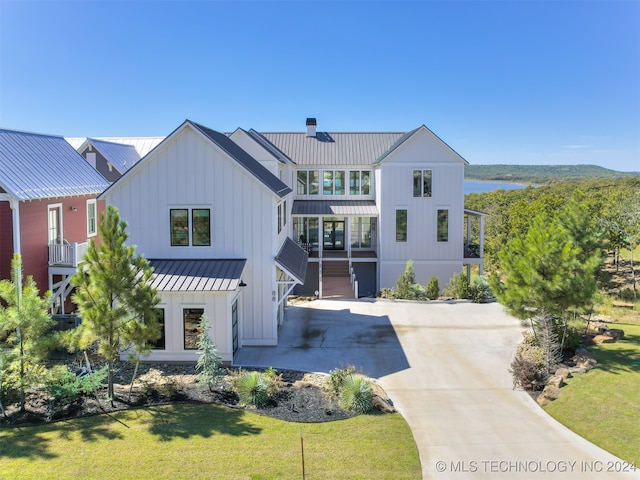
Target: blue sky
(530, 82)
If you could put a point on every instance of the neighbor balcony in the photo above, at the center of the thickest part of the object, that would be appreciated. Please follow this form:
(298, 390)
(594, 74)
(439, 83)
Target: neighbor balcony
(67, 254)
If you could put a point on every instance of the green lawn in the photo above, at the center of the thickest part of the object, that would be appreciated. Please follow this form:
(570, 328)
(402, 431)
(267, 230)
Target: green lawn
(209, 441)
(603, 405)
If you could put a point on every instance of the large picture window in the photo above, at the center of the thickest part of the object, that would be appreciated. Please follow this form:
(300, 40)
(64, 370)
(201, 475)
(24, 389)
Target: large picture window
(191, 323)
(443, 225)
(422, 183)
(327, 185)
(194, 230)
(359, 182)
(401, 225)
(303, 179)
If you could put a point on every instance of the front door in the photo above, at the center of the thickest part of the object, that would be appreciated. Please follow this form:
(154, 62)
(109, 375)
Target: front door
(55, 224)
(333, 235)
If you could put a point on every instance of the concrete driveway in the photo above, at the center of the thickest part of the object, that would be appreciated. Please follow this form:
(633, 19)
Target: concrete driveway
(445, 366)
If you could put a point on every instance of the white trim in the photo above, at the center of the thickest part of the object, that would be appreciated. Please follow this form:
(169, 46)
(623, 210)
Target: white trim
(50, 207)
(92, 201)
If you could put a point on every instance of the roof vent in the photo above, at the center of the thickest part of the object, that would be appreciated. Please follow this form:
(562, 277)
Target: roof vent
(311, 127)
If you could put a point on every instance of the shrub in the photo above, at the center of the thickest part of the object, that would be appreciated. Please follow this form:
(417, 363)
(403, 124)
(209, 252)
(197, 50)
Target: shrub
(274, 381)
(433, 288)
(480, 291)
(252, 389)
(336, 379)
(405, 282)
(526, 374)
(356, 394)
(458, 286)
(387, 293)
(67, 388)
(418, 292)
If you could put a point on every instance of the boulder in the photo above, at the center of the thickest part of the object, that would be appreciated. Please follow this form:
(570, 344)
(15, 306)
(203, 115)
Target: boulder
(586, 340)
(383, 404)
(548, 395)
(563, 372)
(573, 370)
(555, 381)
(583, 359)
(616, 333)
(600, 339)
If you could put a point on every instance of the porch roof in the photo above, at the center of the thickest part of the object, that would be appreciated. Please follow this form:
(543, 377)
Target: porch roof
(218, 275)
(333, 208)
(293, 259)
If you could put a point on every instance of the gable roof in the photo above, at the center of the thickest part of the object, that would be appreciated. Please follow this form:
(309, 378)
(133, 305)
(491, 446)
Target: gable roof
(232, 149)
(333, 148)
(270, 147)
(142, 145)
(35, 166)
(254, 167)
(410, 134)
(120, 155)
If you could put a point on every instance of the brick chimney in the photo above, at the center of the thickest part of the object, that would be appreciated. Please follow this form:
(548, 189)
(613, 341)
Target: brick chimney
(311, 127)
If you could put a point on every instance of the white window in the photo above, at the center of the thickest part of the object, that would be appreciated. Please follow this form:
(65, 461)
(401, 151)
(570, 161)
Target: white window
(92, 225)
(422, 183)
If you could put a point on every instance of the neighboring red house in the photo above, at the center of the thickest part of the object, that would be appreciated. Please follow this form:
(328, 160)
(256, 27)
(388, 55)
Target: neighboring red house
(48, 209)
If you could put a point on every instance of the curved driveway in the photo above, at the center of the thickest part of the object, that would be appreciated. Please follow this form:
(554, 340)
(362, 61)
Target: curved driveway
(445, 366)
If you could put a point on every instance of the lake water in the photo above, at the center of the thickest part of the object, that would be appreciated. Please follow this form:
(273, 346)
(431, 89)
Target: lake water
(477, 186)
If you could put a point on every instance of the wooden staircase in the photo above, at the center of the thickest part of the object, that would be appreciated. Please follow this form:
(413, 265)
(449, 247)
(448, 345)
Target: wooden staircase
(335, 269)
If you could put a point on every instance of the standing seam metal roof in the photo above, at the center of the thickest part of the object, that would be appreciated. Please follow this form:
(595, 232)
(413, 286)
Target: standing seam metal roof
(332, 208)
(121, 156)
(217, 275)
(328, 149)
(247, 161)
(34, 166)
(293, 258)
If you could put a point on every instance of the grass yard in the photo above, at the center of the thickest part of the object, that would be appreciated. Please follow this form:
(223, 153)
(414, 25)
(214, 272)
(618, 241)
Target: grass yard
(209, 441)
(602, 405)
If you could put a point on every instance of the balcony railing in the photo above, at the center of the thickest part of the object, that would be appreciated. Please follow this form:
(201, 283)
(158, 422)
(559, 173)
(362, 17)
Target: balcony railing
(67, 254)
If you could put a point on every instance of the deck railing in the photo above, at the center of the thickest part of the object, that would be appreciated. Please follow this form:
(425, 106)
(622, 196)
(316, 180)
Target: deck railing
(67, 254)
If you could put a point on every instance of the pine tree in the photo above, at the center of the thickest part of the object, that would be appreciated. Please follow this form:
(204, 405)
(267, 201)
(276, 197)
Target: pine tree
(405, 282)
(208, 359)
(25, 328)
(433, 288)
(114, 296)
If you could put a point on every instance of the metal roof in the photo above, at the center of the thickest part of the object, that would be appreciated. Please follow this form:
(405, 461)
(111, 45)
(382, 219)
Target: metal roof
(218, 275)
(334, 148)
(293, 259)
(121, 156)
(34, 166)
(270, 147)
(331, 208)
(247, 161)
(142, 145)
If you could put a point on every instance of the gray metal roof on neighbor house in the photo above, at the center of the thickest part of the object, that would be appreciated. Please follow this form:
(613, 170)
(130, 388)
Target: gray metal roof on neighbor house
(121, 156)
(243, 158)
(335, 207)
(334, 148)
(34, 166)
(218, 275)
(293, 259)
(142, 145)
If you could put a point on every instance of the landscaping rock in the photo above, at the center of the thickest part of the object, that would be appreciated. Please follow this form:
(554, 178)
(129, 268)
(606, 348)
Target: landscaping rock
(548, 395)
(583, 359)
(383, 404)
(555, 381)
(563, 372)
(586, 340)
(574, 370)
(616, 333)
(600, 339)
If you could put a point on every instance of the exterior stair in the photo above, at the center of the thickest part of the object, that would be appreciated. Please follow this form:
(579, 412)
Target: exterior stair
(335, 269)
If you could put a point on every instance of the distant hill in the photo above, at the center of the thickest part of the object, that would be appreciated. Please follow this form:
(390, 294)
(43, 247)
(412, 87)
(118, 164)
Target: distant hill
(540, 174)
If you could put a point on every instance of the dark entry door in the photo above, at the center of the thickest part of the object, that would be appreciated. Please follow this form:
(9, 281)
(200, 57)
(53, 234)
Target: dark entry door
(333, 235)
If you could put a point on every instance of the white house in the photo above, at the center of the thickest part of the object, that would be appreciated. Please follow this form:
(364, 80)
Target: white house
(233, 223)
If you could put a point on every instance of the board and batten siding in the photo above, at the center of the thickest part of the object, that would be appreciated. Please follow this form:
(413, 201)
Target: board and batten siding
(189, 171)
(430, 258)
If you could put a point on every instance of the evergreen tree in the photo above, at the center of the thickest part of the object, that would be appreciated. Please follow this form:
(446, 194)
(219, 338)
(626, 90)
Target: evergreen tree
(405, 282)
(208, 359)
(25, 330)
(433, 288)
(114, 297)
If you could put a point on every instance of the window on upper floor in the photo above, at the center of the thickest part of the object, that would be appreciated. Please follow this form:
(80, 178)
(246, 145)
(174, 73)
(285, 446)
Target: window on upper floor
(279, 217)
(401, 225)
(359, 182)
(422, 183)
(194, 229)
(92, 226)
(327, 184)
(443, 225)
(303, 182)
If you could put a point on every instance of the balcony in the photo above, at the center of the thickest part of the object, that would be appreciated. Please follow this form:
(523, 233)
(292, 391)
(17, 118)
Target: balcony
(67, 254)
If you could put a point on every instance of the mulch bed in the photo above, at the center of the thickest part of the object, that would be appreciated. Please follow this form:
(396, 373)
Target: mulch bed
(301, 398)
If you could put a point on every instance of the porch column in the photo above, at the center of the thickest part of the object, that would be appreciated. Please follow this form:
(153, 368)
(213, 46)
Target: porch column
(320, 250)
(15, 217)
(469, 218)
(481, 265)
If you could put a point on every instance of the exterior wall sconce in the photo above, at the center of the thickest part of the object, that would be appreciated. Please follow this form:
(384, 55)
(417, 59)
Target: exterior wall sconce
(74, 208)
(242, 284)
